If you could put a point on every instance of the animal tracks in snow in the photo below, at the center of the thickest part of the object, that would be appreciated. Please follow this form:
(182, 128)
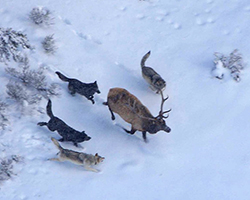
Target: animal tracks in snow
(81, 35)
(205, 17)
(161, 16)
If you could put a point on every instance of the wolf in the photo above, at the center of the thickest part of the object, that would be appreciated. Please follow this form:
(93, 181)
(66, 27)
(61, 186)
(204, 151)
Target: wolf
(78, 158)
(76, 86)
(156, 82)
(67, 133)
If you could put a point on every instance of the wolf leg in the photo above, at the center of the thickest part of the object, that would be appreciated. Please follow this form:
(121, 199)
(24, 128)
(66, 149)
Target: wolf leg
(152, 87)
(42, 123)
(91, 98)
(91, 169)
(61, 140)
(55, 159)
(71, 90)
(75, 144)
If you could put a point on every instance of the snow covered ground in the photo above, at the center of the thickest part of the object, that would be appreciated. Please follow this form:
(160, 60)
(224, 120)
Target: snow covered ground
(206, 155)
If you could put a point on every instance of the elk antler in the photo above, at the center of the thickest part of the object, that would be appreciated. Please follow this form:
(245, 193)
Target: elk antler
(161, 113)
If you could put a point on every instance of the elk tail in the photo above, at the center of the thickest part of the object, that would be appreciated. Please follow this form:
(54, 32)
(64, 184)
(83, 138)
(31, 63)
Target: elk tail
(49, 110)
(62, 77)
(144, 58)
(57, 144)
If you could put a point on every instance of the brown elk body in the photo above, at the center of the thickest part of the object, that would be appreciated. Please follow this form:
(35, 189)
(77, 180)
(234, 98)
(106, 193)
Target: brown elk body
(130, 109)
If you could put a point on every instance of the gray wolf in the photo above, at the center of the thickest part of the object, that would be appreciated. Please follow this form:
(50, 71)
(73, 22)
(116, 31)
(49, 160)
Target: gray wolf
(156, 82)
(78, 158)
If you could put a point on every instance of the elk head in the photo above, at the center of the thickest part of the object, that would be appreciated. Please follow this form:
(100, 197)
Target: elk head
(158, 123)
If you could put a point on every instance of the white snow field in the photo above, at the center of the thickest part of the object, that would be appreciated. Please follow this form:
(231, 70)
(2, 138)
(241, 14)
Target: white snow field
(206, 156)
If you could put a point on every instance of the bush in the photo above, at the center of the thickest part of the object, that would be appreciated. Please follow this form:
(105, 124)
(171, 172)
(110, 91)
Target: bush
(29, 85)
(20, 94)
(41, 16)
(49, 44)
(10, 43)
(3, 118)
(232, 63)
(6, 167)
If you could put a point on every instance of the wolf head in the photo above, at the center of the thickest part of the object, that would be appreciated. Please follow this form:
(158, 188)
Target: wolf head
(98, 159)
(95, 87)
(159, 83)
(82, 137)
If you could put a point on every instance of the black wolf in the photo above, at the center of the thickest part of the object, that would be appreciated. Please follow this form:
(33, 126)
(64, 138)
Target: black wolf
(67, 133)
(76, 86)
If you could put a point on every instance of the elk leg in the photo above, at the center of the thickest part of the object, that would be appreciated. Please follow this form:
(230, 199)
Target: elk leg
(132, 131)
(144, 136)
(112, 114)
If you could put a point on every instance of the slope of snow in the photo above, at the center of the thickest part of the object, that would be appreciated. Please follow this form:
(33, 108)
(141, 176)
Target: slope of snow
(206, 155)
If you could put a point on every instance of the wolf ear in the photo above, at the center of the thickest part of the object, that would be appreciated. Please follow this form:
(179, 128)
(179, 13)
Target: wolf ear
(96, 154)
(95, 82)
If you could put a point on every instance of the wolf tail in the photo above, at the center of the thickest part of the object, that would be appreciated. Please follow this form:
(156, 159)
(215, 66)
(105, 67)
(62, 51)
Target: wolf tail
(49, 110)
(56, 143)
(62, 77)
(144, 58)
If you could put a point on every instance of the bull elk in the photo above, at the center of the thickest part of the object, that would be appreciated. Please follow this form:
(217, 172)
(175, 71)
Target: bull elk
(130, 109)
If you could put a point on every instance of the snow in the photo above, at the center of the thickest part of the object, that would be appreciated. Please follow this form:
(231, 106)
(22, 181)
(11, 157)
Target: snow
(219, 70)
(205, 156)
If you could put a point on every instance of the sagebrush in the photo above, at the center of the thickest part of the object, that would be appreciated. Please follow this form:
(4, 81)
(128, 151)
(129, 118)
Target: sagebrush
(3, 116)
(233, 63)
(41, 16)
(29, 85)
(6, 166)
(49, 44)
(11, 42)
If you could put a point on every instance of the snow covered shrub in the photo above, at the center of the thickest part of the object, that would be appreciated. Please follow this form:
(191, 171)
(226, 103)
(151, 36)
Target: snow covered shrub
(3, 118)
(6, 167)
(10, 43)
(28, 85)
(41, 16)
(20, 94)
(49, 44)
(232, 64)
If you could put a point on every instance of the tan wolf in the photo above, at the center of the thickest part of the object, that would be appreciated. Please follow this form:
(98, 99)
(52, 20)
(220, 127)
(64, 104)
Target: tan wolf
(78, 158)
